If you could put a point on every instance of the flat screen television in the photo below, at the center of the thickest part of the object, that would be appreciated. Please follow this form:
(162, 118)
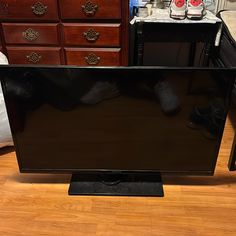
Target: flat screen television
(113, 124)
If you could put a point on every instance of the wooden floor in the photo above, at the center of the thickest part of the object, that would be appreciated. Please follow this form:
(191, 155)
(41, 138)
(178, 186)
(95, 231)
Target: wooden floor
(39, 205)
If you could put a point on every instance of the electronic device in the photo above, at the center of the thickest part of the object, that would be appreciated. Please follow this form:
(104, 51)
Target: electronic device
(117, 129)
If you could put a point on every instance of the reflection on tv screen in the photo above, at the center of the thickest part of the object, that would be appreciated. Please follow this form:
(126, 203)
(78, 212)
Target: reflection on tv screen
(71, 119)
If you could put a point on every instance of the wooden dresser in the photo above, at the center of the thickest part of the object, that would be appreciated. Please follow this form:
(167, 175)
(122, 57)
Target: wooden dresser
(67, 32)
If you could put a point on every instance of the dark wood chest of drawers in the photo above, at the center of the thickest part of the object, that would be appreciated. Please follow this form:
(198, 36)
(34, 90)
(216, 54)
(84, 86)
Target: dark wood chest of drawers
(70, 32)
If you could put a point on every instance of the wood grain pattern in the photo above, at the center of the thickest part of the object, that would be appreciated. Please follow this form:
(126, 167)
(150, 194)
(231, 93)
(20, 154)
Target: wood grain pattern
(49, 56)
(22, 10)
(106, 9)
(47, 33)
(34, 204)
(110, 20)
(108, 56)
(109, 34)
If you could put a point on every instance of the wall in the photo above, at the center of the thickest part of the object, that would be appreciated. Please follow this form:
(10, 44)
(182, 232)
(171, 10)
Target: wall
(226, 4)
(230, 4)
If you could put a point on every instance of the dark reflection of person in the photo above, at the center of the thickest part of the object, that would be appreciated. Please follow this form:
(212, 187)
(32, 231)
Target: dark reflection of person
(21, 94)
(67, 88)
(160, 87)
(208, 116)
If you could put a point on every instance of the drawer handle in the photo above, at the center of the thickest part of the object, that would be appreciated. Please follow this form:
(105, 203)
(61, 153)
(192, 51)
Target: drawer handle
(92, 59)
(89, 8)
(30, 34)
(34, 57)
(39, 9)
(4, 8)
(91, 35)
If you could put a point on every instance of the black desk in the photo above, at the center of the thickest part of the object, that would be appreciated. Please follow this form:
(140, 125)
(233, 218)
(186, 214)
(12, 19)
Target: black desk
(175, 32)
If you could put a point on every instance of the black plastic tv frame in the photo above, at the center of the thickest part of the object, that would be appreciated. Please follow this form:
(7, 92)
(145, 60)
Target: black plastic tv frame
(116, 130)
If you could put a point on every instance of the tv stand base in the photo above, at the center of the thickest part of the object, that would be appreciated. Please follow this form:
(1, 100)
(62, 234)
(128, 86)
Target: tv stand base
(117, 184)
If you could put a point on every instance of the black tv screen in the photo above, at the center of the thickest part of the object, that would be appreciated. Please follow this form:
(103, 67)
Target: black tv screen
(73, 119)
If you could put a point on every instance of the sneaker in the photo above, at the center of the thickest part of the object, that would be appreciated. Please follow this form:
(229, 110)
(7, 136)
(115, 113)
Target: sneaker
(178, 9)
(209, 118)
(100, 91)
(168, 100)
(200, 117)
(195, 9)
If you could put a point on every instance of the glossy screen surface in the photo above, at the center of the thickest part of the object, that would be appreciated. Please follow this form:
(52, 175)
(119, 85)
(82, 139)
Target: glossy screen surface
(72, 119)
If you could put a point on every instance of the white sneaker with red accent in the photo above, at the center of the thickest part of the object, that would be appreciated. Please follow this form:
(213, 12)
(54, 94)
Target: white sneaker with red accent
(178, 9)
(195, 9)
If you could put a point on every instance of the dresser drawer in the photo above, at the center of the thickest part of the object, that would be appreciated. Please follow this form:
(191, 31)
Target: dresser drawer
(90, 9)
(34, 55)
(31, 33)
(92, 34)
(29, 9)
(93, 57)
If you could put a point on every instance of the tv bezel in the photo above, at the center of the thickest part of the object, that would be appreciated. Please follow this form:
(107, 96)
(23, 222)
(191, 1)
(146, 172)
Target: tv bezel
(150, 68)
